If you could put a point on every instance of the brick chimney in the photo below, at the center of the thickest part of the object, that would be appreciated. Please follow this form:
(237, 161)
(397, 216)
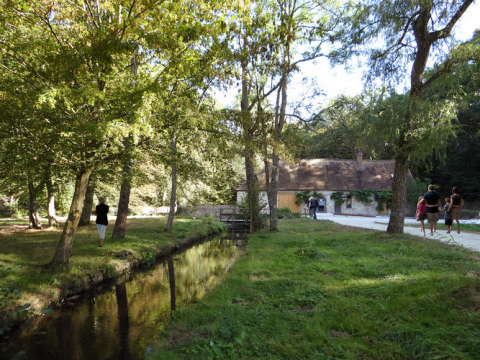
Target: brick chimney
(360, 160)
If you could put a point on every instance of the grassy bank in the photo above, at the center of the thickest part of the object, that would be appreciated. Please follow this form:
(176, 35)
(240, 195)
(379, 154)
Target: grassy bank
(442, 227)
(318, 290)
(23, 254)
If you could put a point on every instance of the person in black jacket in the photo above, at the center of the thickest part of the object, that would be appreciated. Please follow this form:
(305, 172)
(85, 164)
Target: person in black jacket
(102, 219)
(313, 207)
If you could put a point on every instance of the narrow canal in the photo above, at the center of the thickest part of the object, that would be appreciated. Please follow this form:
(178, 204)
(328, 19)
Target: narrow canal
(124, 320)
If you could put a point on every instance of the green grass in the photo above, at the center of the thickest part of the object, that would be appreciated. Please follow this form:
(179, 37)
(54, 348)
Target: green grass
(23, 254)
(13, 222)
(441, 226)
(317, 290)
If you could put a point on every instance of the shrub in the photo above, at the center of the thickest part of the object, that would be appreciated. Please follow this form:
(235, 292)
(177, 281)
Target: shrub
(415, 189)
(305, 195)
(243, 211)
(286, 213)
(11, 313)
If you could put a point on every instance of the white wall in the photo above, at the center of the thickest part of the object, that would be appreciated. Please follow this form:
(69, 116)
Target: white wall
(358, 208)
(263, 199)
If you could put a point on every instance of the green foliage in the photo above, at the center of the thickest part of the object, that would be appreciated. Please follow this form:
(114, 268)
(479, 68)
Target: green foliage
(475, 228)
(12, 209)
(415, 189)
(11, 313)
(309, 252)
(338, 197)
(305, 195)
(244, 210)
(111, 273)
(86, 82)
(148, 258)
(364, 196)
(338, 131)
(286, 213)
(461, 86)
(383, 197)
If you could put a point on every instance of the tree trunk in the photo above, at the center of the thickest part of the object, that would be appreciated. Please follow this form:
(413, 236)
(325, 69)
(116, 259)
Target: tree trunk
(399, 191)
(173, 195)
(418, 85)
(399, 185)
(31, 218)
(33, 222)
(279, 123)
(88, 204)
(124, 200)
(120, 227)
(65, 245)
(252, 195)
(249, 133)
(273, 193)
(51, 215)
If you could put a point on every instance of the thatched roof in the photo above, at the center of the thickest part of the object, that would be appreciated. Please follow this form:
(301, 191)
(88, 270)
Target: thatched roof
(333, 175)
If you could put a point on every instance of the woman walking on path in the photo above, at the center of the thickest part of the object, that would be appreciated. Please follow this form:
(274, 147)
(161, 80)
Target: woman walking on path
(456, 203)
(421, 213)
(432, 199)
(102, 219)
(448, 215)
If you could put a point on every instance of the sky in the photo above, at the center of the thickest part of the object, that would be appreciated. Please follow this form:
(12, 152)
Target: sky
(336, 81)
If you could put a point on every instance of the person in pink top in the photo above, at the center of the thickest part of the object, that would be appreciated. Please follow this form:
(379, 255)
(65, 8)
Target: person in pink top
(421, 213)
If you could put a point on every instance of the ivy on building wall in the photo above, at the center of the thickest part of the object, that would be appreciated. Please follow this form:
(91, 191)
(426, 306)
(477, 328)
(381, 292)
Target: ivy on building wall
(305, 195)
(382, 197)
(338, 197)
(364, 196)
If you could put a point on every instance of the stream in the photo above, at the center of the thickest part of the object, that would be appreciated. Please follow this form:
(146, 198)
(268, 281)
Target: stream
(123, 320)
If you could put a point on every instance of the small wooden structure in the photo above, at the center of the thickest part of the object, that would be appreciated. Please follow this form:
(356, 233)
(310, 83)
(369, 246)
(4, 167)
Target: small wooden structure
(234, 225)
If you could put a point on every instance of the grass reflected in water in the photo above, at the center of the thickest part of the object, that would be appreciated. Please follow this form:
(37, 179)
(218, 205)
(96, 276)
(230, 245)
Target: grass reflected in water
(126, 319)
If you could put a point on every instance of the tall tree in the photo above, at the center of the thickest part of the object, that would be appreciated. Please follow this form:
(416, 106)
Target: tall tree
(120, 227)
(33, 222)
(88, 203)
(124, 199)
(72, 63)
(461, 86)
(308, 22)
(257, 57)
(409, 32)
(269, 34)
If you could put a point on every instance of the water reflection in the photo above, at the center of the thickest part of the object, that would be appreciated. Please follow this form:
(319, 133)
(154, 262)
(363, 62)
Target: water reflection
(171, 276)
(123, 322)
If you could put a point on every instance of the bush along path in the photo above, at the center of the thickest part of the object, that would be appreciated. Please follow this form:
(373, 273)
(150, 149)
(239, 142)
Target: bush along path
(28, 289)
(318, 290)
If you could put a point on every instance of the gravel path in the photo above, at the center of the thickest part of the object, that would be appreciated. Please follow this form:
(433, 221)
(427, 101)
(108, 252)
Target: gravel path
(467, 239)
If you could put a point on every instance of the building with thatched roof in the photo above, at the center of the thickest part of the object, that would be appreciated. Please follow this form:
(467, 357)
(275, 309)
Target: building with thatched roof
(336, 179)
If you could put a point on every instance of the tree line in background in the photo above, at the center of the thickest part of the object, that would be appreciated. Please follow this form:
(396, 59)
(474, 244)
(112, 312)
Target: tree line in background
(349, 123)
(117, 96)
